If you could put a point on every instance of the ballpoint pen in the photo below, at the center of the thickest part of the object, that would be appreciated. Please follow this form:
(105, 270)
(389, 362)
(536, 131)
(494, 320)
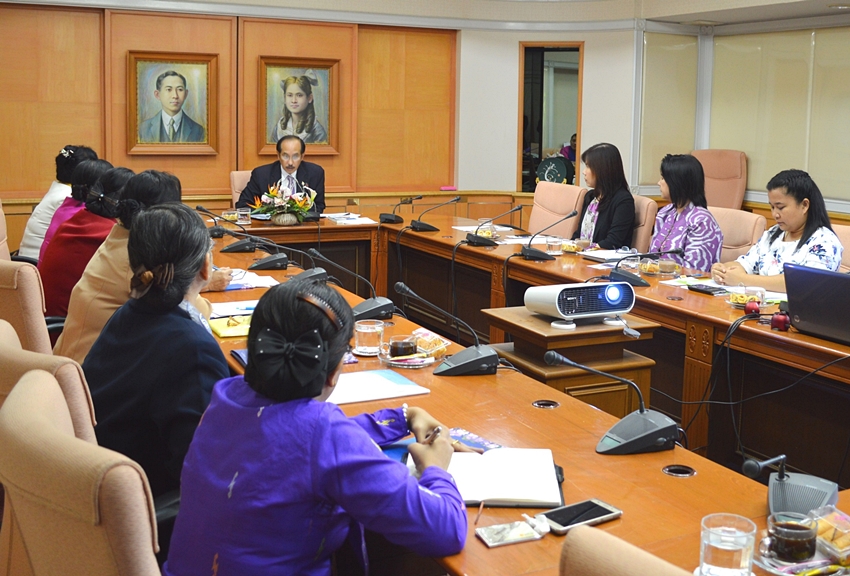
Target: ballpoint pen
(433, 435)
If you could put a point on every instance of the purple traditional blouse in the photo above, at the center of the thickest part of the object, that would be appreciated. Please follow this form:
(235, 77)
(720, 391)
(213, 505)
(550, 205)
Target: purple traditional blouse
(68, 208)
(694, 230)
(275, 487)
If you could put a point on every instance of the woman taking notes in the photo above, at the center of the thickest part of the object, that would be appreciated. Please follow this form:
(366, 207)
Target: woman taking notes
(802, 235)
(685, 222)
(276, 479)
(608, 211)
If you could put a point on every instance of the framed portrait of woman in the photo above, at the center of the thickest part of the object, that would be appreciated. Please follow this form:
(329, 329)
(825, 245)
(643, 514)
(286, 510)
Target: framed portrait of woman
(302, 99)
(172, 103)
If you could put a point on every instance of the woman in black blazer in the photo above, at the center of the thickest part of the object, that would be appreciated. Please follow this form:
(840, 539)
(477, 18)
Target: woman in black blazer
(608, 211)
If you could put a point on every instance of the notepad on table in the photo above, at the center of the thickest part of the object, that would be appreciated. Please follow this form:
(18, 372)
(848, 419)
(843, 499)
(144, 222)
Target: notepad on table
(522, 477)
(230, 327)
(371, 385)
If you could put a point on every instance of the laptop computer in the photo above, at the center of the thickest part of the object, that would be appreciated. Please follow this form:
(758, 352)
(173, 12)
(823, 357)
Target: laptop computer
(818, 302)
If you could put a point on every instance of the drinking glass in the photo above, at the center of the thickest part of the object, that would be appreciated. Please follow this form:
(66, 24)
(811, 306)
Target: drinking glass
(726, 545)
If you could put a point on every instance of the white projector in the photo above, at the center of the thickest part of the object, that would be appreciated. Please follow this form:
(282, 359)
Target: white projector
(574, 301)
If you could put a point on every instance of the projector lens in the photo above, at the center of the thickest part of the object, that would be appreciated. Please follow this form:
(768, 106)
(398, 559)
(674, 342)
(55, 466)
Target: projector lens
(613, 294)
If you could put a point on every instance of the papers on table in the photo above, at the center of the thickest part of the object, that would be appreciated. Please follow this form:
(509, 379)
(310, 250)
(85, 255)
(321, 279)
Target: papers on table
(523, 240)
(685, 281)
(244, 280)
(373, 385)
(474, 228)
(241, 308)
(507, 477)
(604, 255)
(261, 216)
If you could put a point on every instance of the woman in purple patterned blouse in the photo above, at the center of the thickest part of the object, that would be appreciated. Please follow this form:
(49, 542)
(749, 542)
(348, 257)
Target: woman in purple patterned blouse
(685, 222)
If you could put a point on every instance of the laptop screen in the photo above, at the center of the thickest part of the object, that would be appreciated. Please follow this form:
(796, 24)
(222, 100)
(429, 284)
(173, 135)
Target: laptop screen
(818, 302)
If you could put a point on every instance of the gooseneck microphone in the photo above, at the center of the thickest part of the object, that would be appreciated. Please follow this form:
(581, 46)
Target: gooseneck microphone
(395, 218)
(618, 275)
(376, 307)
(530, 253)
(217, 231)
(473, 239)
(792, 492)
(477, 359)
(277, 260)
(420, 226)
(638, 432)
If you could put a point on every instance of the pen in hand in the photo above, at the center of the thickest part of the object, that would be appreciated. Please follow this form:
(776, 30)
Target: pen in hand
(433, 435)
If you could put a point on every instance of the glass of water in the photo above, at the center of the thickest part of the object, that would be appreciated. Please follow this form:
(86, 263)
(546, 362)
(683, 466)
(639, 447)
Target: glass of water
(726, 545)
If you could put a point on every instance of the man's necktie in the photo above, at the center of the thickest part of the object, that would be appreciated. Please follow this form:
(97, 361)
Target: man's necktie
(290, 183)
(171, 129)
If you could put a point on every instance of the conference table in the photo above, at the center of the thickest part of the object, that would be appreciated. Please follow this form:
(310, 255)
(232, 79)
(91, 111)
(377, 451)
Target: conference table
(661, 513)
(807, 422)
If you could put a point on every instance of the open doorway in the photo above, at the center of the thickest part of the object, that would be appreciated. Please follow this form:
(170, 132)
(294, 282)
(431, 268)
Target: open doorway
(550, 112)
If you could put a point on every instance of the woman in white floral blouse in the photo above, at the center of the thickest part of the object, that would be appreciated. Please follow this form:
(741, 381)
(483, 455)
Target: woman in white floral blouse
(802, 235)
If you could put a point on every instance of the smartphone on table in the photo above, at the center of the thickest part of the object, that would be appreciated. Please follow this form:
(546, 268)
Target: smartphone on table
(589, 512)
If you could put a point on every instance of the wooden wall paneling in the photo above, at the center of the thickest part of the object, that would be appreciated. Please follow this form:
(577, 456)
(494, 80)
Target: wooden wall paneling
(406, 116)
(283, 38)
(139, 31)
(52, 93)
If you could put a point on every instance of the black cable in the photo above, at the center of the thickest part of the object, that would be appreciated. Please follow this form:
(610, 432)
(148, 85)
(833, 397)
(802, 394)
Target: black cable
(319, 235)
(503, 363)
(505, 274)
(334, 280)
(397, 310)
(398, 259)
(454, 290)
(683, 434)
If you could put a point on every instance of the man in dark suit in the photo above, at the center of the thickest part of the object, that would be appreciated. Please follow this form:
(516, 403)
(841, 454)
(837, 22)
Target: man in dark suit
(290, 171)
(171, 124)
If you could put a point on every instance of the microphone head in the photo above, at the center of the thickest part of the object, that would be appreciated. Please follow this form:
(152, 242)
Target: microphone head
(552, 358)
(416, 198)
(201, 208)
(751, 468)
(571, 214)
(678, 251)
(456, 199)
(314, 252)
(401, 288)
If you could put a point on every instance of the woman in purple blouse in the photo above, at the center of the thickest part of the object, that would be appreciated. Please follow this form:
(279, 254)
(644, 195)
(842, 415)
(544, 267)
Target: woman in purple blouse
(276, 479)
(685, 222)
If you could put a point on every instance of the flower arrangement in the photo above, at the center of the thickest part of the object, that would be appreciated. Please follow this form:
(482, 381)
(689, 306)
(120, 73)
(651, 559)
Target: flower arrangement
(277, 201)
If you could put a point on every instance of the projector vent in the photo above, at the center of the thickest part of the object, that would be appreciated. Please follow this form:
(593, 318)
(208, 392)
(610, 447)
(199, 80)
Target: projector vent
(797, 497)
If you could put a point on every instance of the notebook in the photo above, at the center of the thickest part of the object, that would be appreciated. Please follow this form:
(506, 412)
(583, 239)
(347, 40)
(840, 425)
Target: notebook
(818, 303)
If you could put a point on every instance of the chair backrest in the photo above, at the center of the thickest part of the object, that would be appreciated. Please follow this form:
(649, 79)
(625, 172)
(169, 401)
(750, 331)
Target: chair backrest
(238, 180)
(22, 304)
(741, 230)
(645, 211)
(725, 176)
(81, 508)
(4, 240)
(843, 233)
(590, 551)
(551, 203)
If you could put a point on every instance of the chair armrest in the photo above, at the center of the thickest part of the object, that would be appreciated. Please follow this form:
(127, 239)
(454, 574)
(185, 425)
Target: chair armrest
(27, 259)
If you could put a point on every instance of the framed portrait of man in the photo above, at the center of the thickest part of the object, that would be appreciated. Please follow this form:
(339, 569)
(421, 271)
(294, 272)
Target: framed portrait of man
(301, 100)
(172, 103)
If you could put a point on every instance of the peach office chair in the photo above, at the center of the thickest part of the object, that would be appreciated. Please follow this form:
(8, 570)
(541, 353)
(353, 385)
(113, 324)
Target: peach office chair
(725, 176)
(554, 201)
(16, 362)
(645, 211)
(741, 230)
(590, 551)
(843, 233)
(81, 508)
(22, 304)
(4, 240)
(238, 180)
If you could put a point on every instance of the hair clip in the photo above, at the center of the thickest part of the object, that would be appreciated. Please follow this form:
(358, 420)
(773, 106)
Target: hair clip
(323, 306)
(66, 152)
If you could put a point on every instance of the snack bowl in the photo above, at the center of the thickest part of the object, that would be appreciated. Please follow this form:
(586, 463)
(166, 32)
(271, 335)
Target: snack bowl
(833, 534)
(649, 267)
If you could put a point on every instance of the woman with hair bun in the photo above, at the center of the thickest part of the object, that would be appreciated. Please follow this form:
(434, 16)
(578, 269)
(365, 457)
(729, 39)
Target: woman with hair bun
(77, 240)
(277, 479)
(299, 113)
(85, 175)
(105, 284)
(152, 369)
(39, 220)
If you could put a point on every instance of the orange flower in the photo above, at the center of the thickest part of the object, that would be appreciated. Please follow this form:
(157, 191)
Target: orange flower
(257, 203)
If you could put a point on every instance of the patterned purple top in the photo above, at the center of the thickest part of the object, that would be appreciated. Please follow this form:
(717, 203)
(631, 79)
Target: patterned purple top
(822, 250)
(274, 488)
(694, 230)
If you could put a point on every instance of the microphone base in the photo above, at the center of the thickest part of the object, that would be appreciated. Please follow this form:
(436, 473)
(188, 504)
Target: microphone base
(799, 493)
(618, 275)
(275, 262)
(311, 217)
(472, 361)
(312, 275)
(637, 433)
(216, 231)
(246, 245)
(530, 253)
(378, 308)
(476, 240)
(420, 226)
(390, 219)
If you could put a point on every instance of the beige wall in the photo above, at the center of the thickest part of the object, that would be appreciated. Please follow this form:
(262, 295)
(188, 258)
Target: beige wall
(488, 100)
